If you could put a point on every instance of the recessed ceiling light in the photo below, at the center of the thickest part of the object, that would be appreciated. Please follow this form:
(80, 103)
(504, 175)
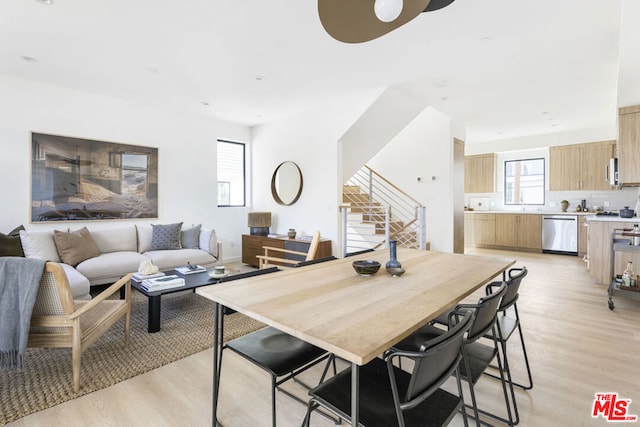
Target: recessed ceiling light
(153, 70)
(544, 113)
(485, 38)
(205, 103)
(442, 83)
(259, 77)
(29, 58)
(555, 124)
(444, 98)
(48, 2)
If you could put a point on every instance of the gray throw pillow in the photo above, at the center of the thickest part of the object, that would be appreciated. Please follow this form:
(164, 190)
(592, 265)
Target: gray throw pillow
(165, 236)
(190, 238)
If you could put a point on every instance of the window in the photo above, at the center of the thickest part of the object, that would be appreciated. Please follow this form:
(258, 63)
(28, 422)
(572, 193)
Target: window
(231, 173)
(524, 182)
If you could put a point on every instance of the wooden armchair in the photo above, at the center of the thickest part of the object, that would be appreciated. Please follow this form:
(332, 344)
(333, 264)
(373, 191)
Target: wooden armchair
(59, 321)
(310, 255)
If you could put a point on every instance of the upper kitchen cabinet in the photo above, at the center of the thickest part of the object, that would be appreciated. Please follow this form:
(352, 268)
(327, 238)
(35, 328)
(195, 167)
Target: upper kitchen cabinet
(629, 146)
(580, 166)
(479, 172)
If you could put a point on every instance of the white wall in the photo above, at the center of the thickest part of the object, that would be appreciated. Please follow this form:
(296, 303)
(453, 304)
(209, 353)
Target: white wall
(309, 139)
(607, 133)
(186, 149)
(424, 149)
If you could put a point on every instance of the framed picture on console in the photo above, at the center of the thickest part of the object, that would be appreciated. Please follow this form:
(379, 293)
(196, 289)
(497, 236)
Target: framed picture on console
(83, 179)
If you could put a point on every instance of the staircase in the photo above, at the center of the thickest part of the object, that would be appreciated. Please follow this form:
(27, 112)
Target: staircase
(376, 211)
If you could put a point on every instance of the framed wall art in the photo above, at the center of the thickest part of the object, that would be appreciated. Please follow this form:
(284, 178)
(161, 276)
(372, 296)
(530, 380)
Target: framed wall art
(83, 179)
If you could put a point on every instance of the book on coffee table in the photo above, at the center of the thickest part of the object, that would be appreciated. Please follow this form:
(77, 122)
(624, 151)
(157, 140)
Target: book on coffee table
(138, 277)
(162, 283)
(190, 269)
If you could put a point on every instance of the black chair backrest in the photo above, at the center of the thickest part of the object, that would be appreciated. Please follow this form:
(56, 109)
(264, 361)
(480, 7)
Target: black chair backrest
(513, 286)
(486, 313)
(248, 274)
(364, 251)
(315, 261)
(436, 362)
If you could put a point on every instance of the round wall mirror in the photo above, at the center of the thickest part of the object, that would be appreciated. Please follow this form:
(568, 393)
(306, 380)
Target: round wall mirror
(286, 183)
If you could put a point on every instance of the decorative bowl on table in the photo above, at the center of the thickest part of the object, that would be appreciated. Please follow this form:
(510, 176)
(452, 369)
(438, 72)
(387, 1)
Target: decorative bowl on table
(366, 267)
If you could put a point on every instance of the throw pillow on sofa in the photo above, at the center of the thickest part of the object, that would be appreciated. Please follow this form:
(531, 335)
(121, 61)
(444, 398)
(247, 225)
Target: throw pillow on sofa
(10, 244)
(165, 236)
(39, 244)
(75, 246)
(190, 238)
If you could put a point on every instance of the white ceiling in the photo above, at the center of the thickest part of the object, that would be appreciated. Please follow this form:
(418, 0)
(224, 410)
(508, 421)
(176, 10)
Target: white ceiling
(499, 68)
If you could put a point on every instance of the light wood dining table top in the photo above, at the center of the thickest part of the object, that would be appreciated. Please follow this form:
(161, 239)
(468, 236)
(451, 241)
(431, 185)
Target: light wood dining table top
(357, 317)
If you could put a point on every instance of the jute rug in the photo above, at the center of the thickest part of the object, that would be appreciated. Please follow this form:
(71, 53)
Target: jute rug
(186, 328)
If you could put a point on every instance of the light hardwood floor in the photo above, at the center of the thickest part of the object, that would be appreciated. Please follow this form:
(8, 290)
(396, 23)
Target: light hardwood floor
(576, 345)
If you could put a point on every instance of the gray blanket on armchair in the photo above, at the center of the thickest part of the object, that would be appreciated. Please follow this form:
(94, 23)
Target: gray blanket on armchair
(19, 283)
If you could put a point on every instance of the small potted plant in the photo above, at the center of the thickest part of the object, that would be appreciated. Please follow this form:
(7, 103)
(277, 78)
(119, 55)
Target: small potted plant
(564, 205)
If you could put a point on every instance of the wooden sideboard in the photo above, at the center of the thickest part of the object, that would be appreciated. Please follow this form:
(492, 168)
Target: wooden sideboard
(252, 246)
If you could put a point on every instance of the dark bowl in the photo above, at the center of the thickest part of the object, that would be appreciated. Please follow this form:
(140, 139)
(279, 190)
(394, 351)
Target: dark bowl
(366, 267)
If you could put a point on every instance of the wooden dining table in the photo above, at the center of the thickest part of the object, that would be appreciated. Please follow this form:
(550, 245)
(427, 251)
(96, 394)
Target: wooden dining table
(354, 317)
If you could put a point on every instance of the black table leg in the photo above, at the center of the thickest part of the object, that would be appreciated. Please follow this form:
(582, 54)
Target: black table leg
(218, 325)
(153, 324)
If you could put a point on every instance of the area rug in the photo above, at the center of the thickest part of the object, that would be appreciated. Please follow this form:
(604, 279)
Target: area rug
(186, 329)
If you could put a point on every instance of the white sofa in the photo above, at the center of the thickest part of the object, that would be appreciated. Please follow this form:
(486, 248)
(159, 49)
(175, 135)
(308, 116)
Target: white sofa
(122, 249)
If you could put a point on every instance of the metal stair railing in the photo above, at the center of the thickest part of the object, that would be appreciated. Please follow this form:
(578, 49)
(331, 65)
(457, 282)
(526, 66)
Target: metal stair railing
(375, 211)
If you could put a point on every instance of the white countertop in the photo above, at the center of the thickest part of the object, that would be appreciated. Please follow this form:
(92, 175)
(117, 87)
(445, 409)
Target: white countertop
(530, 212)
(612, 219)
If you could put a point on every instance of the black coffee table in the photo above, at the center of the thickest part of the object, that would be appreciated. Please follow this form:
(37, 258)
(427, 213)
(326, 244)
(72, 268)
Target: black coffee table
(192, 281)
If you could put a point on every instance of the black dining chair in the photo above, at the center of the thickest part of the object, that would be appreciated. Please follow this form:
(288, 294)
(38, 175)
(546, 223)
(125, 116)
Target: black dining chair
(477, 356)
(508, 324)
(281, 355)
(390, 396)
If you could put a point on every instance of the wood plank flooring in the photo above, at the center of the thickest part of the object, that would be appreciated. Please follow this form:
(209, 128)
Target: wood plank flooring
(576, 345)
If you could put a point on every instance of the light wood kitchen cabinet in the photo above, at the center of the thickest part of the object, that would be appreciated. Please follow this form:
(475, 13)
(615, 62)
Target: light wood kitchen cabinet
(519, 231)
(582, 235)
(479, 230)
(479, 173)
(469, 241)
(629, 146)
(600, 247)
(580, 166)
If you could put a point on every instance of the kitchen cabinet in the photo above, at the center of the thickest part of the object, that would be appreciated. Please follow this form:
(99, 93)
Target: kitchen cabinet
(629, 146)
(252, 245)
(479, 230)
(519, 231)
(600, 249)
(580, 166)
(479, 173)
(582, 235)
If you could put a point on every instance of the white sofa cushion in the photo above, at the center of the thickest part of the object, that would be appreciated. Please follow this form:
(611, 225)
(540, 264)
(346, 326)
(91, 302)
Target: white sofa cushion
(77, 282)
(145, 232)
(39, 245)
(166, 259)
(116, 239)
(209, 241)
(109, 267)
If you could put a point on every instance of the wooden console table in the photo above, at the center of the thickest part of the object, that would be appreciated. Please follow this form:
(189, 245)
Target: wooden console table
(252, 246)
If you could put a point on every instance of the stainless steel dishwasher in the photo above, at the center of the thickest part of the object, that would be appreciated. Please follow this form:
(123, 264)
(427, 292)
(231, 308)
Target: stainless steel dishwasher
(560, 234)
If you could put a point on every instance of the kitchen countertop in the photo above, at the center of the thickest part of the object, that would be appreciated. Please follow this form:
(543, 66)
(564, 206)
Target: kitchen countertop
(533, 212)
(605, 218)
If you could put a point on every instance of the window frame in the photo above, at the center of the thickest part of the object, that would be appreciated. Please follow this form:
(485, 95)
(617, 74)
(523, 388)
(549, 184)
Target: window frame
(244, 174)
(544, 179)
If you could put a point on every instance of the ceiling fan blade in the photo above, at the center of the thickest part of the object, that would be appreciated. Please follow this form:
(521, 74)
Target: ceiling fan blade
(354, 21)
